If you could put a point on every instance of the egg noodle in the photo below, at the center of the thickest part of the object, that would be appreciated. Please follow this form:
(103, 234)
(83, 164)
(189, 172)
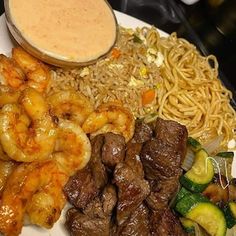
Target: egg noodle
(186, 84)
(191, 92)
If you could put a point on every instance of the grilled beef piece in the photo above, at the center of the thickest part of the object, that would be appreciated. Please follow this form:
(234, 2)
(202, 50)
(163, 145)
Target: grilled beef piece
(97, 167)
(95, 218)
(79, 224)
(137, 224)
(172, 133)
(159, 159)
(166, 225)
(162, 158)
(162, 191)
(143, 132)
(113, 150)
(109, 199)
(102, 205)
(81, 188)
(132, 190)
(132, 158)
(86, 184)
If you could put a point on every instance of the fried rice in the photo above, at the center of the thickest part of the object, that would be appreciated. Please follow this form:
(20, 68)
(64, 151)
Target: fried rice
(123, 77)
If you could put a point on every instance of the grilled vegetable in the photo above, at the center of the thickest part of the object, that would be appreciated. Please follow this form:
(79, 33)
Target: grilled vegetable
(148, 97)
(225, 154)
(230, 214)
(192, 228)
(115, 53)
(187, 224)
(232, 190)
(223, 163)
(201, 173)
(199, 209)
(194, 144)
(188, 160)
(213, 145)
(215, 191)
(182, 193)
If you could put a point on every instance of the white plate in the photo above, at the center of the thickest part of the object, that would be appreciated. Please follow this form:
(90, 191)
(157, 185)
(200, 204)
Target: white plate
(6, 45)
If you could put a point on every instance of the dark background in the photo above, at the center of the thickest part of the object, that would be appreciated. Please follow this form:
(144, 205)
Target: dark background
(209, 24)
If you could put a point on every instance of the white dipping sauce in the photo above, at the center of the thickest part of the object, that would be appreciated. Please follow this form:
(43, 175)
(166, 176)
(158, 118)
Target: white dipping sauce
(78, 30)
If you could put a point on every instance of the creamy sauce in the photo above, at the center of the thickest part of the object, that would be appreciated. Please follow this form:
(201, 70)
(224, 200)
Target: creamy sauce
(76, 30)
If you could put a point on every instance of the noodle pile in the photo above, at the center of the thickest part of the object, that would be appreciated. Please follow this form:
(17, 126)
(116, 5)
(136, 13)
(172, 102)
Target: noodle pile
(192, 94)
(186, 84)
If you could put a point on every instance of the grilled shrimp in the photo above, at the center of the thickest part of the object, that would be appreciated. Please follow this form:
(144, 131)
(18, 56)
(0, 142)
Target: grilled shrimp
(72, 153)
(35, 189)
(3, 155)
(73, 147)
(110, 117)
(10, 73)
(6, 168)
(8, 95)
(31, 184)
(37, 73)
(70, 105)
(23, 70)
(27, 132)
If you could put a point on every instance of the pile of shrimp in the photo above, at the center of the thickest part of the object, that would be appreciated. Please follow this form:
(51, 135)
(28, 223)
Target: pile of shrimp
(44, 140)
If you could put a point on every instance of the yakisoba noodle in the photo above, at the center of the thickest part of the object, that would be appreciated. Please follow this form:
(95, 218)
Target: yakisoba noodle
(192, 93)
(187, 88)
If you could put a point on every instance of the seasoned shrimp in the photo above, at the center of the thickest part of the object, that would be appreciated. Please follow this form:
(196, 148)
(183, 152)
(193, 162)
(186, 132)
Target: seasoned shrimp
(72, 153)
(70, 105)
(73, 147)
(6, 168)
(3, 155)
(35, 189)
(37, 73)
(23, 70)
(27, 132)
(8, 95)
(37, 182)
(10, 73)
(110, 117)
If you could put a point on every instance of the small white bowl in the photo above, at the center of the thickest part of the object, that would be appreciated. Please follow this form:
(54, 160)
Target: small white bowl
(46, 55)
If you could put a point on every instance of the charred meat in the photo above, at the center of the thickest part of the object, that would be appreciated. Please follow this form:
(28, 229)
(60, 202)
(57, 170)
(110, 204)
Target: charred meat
(126, 188)
(165, 225)
(113, 150)
(81, 188)
(137, 224)
(132, 190)
(95, 219)
(162, 158)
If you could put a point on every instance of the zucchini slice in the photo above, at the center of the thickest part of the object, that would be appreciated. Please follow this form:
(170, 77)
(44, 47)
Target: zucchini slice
(210, 217)
(225, 154)
(230, 214)
(199, 209)
(232, 206)
(185, 204)
(187, 224)
(182, 193)
(194, 144)
(201, 173)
